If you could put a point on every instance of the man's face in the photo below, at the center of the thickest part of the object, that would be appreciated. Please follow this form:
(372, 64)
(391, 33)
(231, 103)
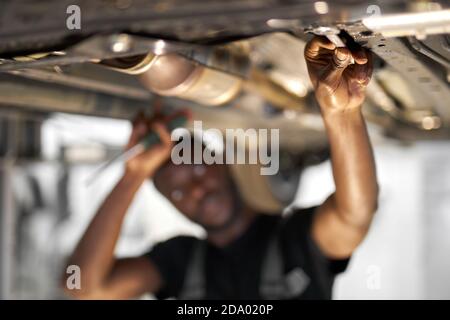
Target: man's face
(203, 193)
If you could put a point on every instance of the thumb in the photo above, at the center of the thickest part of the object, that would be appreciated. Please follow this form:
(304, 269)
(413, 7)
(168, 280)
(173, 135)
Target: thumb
(340, 61)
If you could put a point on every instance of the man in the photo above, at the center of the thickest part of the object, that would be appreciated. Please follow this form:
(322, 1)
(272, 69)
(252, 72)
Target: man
(246, 255)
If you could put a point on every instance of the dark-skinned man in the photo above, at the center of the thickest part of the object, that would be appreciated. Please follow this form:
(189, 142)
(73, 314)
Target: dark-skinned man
(246, 255)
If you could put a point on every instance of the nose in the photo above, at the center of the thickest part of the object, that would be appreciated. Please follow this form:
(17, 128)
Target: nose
(197, 191)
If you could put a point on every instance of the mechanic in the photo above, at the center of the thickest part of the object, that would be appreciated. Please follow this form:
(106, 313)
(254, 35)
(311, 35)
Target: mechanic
(246, 255)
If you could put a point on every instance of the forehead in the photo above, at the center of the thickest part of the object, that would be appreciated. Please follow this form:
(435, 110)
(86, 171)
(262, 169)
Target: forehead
(172, 175)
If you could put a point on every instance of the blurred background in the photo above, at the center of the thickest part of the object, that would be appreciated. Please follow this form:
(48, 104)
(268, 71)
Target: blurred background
(46, 205)
(73, 73)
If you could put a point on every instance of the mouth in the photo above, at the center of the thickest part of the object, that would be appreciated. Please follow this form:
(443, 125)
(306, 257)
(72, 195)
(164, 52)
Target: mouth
(212, 209)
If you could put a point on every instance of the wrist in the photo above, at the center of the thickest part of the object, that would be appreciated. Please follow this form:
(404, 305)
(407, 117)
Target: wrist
(339, 119)
(340, 113)
(134, 177)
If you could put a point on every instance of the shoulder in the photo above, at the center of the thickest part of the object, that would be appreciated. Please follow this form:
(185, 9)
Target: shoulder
(173, 246)
(296, 224)
(178, 241)
(297, 231)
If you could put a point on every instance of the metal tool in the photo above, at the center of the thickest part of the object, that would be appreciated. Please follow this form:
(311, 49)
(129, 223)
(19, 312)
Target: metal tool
(150, 139)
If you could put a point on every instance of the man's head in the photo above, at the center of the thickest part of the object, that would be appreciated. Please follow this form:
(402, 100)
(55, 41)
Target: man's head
(203, 193)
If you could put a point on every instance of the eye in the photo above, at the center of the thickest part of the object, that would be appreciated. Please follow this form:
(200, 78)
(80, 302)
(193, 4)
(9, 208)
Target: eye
(177, 195)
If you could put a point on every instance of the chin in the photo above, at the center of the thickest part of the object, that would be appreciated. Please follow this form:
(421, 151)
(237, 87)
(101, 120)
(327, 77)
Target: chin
(216, 220)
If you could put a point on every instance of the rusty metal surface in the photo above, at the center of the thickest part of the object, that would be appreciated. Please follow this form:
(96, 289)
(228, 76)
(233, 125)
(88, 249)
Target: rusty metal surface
(427, 82)
(28, 24)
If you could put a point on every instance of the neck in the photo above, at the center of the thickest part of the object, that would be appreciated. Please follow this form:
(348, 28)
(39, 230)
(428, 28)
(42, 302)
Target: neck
(223, 237)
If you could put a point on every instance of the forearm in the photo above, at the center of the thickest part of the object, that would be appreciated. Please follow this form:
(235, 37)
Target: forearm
(95, 251)
(353, 166)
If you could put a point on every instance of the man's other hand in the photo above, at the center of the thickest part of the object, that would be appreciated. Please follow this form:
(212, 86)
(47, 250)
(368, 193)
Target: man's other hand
(146, 163)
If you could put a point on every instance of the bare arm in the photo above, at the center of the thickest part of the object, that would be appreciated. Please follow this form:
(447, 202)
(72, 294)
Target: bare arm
(343, 220)
(102, 275)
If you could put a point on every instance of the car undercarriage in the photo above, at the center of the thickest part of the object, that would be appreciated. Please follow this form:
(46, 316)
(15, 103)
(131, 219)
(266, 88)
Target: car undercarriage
(234, 64)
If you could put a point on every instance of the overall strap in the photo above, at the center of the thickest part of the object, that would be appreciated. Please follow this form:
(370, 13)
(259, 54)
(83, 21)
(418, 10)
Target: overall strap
(194, 286)
(274, 283)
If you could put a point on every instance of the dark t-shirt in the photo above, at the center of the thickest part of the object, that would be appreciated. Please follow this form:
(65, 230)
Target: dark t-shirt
(234, 272)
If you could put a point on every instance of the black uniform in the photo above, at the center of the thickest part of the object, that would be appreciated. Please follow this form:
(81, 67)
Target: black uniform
(276, 258)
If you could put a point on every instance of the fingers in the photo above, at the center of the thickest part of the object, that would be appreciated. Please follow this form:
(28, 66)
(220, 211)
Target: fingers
(360, 74)
(157, 123)
(138, 131)
(341, 58)
(340, 61)
(140, 115)
(315, 45)
(369, 65)
(360, 56)
(164, 135)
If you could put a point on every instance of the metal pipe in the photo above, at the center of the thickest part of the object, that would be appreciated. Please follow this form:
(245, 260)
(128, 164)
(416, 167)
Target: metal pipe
(410, 24)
